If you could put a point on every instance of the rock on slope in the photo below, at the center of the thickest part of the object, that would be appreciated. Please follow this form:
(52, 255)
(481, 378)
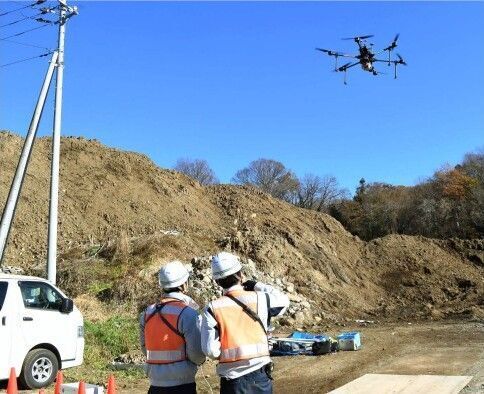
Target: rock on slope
(107, 194)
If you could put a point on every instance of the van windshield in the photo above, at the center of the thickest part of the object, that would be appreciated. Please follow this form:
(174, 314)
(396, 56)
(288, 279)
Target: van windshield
(3, 293)
(40, 295)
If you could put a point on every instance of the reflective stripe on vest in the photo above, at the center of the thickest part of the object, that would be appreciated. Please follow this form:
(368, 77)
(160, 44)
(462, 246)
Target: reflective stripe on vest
(241, 338)
(165, 356)
(163, 345)
(244, 352)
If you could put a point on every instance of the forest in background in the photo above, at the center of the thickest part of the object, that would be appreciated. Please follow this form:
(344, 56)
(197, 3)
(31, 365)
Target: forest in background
(448, 204)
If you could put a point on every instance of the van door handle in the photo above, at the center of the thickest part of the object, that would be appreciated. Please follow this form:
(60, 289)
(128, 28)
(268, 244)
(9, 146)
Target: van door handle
(4, 320)
(28, 318)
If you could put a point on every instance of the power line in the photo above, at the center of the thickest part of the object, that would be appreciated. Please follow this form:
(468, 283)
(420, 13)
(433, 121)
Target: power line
(26, 59)
(24, 7)
(15, 10)
(23, 32)
(22, 19)
(36, 17)
(25, 44)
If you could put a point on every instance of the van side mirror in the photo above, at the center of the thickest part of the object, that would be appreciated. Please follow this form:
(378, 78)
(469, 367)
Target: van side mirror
(67, 305)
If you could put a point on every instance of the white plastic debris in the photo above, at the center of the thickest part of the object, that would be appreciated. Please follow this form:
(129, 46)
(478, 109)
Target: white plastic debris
(71, 388)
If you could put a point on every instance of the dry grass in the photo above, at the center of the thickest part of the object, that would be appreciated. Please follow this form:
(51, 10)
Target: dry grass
(122, 249)
(92, 308)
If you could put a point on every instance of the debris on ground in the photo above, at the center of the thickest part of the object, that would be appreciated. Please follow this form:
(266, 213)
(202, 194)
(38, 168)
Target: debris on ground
(7, 269)
(349, 341)
(305, 343)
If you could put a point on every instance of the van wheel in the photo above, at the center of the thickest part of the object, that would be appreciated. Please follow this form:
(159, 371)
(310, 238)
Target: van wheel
(39, 369)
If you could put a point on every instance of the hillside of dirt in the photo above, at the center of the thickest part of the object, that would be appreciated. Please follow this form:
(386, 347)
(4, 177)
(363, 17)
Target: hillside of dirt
(121, 216)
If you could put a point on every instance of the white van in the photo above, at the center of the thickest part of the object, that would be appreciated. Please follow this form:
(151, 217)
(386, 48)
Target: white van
(41, 331)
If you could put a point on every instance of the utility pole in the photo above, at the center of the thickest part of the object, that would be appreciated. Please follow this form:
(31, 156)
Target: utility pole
(65, 13)
(13, 195)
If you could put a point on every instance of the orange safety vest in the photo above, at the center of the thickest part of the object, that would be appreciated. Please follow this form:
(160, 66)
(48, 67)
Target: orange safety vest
(164, 343)
(241, 338)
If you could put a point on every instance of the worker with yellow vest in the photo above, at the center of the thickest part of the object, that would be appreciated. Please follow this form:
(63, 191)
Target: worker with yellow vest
(170, 335)
(234, 328)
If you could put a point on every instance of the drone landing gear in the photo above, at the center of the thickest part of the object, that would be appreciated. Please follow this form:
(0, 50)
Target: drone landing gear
(395, 69)
(335, 62)
(344, 81)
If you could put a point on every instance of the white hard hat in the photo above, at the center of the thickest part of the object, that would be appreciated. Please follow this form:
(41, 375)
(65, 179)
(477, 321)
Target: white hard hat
(225, 264)
(173, 274)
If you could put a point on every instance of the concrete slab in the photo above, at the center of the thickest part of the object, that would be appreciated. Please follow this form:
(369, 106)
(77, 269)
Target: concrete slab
(404, 384)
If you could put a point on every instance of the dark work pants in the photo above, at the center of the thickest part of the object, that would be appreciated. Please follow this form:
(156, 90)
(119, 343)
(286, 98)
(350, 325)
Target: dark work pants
(256, 382)
(189, 388)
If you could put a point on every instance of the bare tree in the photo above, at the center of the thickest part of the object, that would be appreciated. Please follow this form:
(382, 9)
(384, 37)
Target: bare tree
(198, 170)
(318, 193)
(473, 165)
(270, 176)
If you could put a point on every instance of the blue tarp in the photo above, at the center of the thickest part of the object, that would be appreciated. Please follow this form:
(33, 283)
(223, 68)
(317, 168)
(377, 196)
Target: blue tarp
(308, 335)
(293, 347)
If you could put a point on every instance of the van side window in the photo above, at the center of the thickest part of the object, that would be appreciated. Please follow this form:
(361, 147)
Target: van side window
(3, 293)
(40, 295)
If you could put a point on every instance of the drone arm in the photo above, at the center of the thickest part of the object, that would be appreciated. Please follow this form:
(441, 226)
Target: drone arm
(345, 69)
(348, 55)
(382, 51)
(350, 65)
(339, 54)
(336, 54)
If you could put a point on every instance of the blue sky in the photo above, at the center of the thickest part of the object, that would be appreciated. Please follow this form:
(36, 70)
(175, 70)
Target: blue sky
(233, 82)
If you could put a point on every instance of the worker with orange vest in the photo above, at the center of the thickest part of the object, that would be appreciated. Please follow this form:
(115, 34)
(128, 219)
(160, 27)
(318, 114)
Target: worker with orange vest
(170, 335)
(234, 328)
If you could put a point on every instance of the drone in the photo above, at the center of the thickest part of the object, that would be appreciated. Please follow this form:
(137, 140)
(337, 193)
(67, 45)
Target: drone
(366, 57)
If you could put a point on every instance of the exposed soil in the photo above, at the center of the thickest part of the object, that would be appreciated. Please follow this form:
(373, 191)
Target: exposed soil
(121, 215)
(419, 348)
(452, 348)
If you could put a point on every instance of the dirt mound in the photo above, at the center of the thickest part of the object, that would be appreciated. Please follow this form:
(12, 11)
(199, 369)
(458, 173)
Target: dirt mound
(103, 192)
(121, 215)
(423, 277)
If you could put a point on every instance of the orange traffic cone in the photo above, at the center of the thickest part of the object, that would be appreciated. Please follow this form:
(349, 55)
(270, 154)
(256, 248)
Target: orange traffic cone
(59, 379)
(82, 388)
(111, 385)
(12, 382)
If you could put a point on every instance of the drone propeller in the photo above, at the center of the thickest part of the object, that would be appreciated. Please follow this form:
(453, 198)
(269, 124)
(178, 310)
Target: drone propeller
(330, 53)
(393, 45)
(358, 38)
(400, 60)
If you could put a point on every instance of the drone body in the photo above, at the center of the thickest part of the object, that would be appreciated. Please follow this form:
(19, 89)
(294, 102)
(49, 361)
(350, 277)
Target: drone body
(365, 57)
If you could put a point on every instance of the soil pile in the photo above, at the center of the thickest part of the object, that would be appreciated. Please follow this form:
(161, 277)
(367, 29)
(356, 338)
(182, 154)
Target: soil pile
(121, 215)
